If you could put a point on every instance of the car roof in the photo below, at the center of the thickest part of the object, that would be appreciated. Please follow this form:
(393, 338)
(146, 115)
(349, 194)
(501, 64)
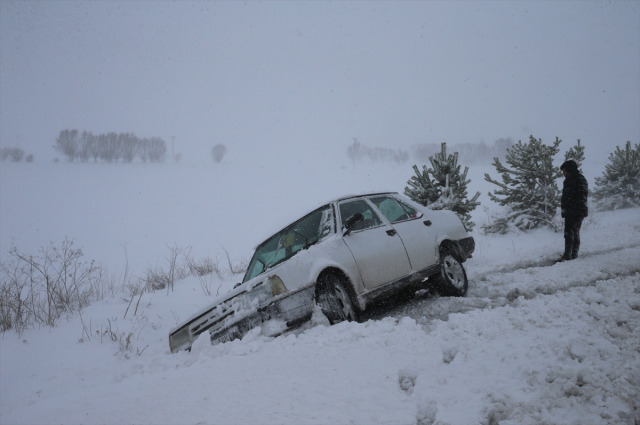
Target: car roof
(320, 205)
(365, 194)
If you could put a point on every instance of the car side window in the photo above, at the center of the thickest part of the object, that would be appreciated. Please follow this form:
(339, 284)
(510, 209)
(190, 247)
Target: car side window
(410, 211)
(390, 208)
(371, 219)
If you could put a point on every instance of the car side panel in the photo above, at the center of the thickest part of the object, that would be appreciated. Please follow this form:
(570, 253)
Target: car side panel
(445, 224)
(419, 241)
(448, 226)
(379, 254)
(305, 267)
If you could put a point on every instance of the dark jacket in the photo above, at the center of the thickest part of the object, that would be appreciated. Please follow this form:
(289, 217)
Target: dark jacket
(575, 190)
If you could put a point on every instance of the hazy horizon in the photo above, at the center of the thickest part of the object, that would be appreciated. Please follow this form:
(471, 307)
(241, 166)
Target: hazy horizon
(296, 77)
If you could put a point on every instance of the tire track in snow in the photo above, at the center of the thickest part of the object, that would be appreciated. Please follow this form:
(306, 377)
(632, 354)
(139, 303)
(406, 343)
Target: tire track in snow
(504, 286)
(547, 262)
(582, 272)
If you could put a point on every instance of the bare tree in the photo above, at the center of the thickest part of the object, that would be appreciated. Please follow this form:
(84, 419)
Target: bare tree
(356, 151)
(103, 152)
(67, 143)
(15, 154)
(94, 149)
(157, 149)
(143, 149)
(87, 140)
(115, 143)
(218, 152)
(109, 149)
(129, 144)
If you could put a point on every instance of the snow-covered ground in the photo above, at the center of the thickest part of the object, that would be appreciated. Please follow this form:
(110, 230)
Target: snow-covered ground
(532, 342)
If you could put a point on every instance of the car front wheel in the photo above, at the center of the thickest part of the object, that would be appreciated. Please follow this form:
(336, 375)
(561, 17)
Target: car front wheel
(333, 299)
(452, 279)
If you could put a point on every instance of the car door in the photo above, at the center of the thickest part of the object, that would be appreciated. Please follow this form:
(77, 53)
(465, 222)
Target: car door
(377, 249)
(417, 233)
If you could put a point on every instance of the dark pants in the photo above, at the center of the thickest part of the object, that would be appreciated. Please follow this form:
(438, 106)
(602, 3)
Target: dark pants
(572, 226)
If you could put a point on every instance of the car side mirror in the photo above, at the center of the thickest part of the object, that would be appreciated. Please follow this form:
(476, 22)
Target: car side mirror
(351, 222)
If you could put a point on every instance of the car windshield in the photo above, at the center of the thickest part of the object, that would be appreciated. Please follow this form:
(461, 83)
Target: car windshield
(283, 245)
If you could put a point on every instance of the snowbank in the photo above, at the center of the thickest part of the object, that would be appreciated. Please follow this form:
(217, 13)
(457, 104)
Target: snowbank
(533, 342)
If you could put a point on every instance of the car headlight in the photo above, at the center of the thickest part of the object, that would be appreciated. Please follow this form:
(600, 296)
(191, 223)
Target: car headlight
(277, 285)
(261, 293)
(180, 338)
(256, 296)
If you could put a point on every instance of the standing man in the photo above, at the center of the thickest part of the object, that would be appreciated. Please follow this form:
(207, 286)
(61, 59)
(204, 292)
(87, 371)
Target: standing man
(573, 207)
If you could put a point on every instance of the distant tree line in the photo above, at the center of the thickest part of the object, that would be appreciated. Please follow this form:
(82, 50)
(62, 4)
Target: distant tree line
(470, 153)
(358, 151)
(109, 147)
(14, 154)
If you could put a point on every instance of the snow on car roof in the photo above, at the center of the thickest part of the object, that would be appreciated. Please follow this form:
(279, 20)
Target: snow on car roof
(365, 194)
(283, 224)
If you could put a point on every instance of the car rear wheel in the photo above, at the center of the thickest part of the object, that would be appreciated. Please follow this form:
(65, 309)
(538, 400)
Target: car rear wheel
(334, 300)
(452, 279)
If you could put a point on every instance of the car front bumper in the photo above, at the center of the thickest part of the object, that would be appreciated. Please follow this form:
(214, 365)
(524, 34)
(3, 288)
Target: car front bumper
(283, 312)
(290, 310)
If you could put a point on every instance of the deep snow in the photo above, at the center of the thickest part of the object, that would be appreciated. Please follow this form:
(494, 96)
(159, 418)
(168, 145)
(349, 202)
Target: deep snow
(532, 342)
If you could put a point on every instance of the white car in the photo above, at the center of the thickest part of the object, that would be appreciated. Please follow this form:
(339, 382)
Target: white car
(340, 257)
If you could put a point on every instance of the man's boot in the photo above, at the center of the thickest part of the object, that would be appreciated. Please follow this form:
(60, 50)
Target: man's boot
(575, 248)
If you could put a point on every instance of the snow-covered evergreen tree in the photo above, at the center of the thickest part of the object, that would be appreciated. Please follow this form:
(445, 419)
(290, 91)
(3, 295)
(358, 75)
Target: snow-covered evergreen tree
(577, 154)
(448, 188)
(619, 186)
(423, 189)
(528, 187)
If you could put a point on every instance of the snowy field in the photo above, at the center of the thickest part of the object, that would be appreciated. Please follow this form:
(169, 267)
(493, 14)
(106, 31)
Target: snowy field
(532, 342)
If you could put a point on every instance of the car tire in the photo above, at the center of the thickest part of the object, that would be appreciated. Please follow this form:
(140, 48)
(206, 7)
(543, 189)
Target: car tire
(452, 279)
(333, 299)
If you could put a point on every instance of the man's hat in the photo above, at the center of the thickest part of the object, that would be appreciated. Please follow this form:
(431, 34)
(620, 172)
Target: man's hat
(570, 166)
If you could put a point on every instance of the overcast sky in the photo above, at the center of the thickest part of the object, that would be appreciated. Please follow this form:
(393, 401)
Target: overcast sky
(285, 74)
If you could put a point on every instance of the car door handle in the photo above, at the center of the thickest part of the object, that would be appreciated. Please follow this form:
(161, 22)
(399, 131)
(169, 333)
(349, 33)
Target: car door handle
(427, 223)
(391, 232)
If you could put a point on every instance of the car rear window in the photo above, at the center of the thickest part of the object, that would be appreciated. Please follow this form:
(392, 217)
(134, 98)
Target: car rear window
(390, 208)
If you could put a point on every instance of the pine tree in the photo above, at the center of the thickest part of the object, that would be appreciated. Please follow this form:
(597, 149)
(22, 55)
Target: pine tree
(619, 186)
(528, 188)
(447, 190)
(423, 189)
(577, 154)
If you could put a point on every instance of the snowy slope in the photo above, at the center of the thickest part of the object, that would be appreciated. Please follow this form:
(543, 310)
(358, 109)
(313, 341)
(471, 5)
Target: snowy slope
(533, 342)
